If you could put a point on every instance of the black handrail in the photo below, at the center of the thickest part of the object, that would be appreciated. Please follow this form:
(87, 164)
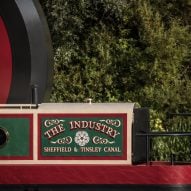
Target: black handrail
(159, 134)
(178, 114)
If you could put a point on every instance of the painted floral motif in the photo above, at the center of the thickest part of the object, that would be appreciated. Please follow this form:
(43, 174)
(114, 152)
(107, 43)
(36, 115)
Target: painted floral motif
(81, 138)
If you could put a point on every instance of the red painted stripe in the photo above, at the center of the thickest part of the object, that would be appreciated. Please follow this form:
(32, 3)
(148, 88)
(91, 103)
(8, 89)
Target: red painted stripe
(84, 174)
(5, 63)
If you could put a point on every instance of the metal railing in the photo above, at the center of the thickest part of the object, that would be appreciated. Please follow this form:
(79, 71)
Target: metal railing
(151, 135)
(159, 134)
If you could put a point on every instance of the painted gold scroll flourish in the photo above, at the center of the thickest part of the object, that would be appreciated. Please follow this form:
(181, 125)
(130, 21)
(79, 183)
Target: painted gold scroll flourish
(100, 140)
(64, 140)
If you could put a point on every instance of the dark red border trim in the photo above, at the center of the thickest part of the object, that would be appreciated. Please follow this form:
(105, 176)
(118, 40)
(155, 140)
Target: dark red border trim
(53, 115)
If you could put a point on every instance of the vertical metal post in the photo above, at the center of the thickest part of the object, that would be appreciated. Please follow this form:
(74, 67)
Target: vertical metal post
(147, 150)
(171, 151)
(35, 95)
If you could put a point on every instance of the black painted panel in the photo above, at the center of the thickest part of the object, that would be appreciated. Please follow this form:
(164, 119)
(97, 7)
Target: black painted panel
(140, 125)
(20, 89)
(31, 49)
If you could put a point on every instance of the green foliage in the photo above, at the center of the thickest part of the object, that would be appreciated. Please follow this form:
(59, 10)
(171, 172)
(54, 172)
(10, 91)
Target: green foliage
(165, 147)
(159, 69)
(174, 9)
(123, 50)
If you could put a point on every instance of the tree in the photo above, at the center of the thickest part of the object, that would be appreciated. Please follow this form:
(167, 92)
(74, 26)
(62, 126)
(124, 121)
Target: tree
(125, 50)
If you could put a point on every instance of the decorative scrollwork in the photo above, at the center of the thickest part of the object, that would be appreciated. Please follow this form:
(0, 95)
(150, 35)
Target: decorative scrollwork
(113, 122)
(64, 140)
(51, 122)
(99, 140)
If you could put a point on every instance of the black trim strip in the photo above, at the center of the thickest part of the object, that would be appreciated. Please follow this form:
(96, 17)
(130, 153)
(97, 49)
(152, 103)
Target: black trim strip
(96, 187)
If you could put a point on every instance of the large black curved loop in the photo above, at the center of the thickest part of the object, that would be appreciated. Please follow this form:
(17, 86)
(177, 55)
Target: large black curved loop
(31, 49)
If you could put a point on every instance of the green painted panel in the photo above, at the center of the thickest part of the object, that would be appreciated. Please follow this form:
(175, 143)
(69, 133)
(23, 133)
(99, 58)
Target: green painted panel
(82, 136)
(19, 136)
